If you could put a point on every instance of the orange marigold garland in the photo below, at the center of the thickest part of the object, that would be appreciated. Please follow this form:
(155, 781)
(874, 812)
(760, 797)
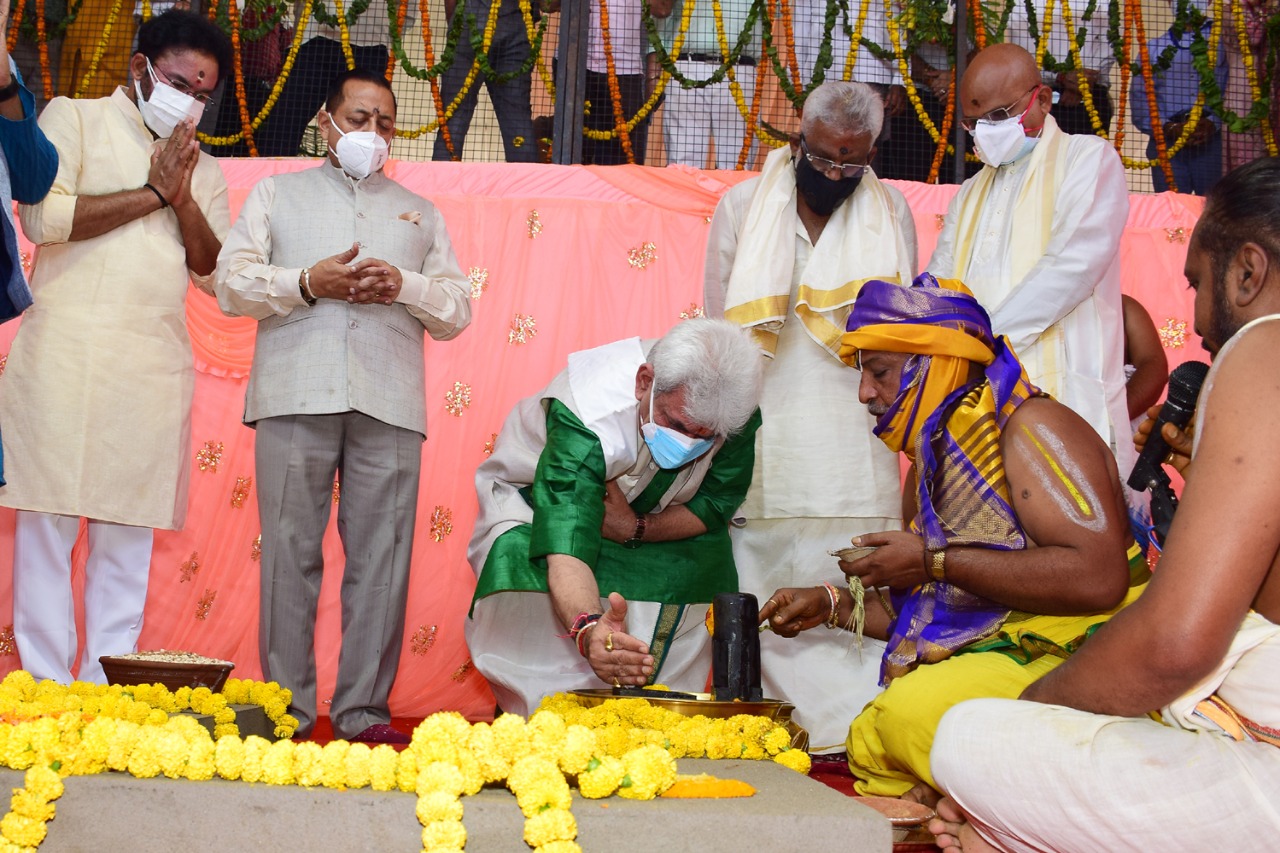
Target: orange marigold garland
(789, 39)
(402, 12)
(753, 119)
(979, 20)
(43, 41)
(1157, 129)
(246, 126)
(615, 96)
(1126, 41)
(15, 21)
(947, 118)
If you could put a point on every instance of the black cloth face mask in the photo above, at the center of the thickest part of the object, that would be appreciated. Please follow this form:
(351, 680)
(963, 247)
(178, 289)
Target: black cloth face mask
(822, 194)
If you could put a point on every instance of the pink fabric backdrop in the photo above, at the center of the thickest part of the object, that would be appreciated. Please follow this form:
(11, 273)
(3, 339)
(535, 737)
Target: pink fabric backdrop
(561, 258)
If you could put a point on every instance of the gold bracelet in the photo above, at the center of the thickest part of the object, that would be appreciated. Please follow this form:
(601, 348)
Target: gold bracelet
(833, 618)
(937, 568)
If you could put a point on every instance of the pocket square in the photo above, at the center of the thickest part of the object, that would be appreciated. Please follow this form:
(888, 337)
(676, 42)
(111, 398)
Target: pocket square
(414, 217)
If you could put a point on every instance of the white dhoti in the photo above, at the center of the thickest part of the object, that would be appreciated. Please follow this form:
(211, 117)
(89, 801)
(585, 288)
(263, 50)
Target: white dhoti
(518, 644)
(1038, 777)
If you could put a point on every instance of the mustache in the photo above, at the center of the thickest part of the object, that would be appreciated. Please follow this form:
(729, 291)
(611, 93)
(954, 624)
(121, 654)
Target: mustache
(877, 409)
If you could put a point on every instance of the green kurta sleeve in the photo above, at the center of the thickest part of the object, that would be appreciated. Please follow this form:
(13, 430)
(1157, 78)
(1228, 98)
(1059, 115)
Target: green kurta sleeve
(725, 487)
(568, 490)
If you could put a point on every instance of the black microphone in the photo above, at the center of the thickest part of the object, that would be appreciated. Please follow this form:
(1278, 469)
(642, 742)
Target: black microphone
(1184, 389)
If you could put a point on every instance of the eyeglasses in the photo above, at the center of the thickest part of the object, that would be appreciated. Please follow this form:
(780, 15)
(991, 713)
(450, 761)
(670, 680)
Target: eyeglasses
(847, 171)
(998, 115)
(182, 86)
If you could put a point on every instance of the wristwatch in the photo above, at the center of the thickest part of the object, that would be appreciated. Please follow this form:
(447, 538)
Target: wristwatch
(937, 567)
(637, 538)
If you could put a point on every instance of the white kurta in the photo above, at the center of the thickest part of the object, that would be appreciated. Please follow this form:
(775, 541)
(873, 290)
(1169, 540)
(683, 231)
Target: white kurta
(821, 477)
(1075, 285)
(97, 391)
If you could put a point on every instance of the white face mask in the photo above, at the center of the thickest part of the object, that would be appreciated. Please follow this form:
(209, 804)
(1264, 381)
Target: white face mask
(167, 107)
(1001, 142)
(360, 153)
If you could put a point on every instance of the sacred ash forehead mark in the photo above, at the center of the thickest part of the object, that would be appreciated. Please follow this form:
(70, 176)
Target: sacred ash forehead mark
(1050, 463)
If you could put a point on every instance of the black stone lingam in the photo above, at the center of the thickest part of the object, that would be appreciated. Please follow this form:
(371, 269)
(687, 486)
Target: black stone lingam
(735, 648)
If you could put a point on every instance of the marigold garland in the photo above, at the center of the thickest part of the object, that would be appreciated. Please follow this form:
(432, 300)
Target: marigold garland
(1157, 129)
(442, 117)
(43, 41)
(246, 128)
(611, 75)
(625, 747)
(100, 48)
(15, 23)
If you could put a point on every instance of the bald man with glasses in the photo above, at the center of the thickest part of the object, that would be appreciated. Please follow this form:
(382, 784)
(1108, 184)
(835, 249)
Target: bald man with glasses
(786, 254)
(1036, 236)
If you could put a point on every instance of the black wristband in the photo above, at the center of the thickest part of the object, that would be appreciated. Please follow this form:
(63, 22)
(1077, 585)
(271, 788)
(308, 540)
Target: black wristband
(11, 91)
(164, 202)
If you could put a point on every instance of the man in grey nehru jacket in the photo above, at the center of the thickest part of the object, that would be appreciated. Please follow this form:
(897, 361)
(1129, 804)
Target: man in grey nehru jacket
(344, 269)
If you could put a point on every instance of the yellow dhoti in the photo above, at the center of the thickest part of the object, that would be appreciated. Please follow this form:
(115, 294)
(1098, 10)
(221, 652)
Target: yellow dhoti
(889, 742)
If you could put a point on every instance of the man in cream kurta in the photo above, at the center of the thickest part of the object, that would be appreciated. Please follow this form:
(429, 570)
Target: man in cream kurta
(98, 387)
(1037, 239)
(337, 389)
(573, 476)
(789, 273)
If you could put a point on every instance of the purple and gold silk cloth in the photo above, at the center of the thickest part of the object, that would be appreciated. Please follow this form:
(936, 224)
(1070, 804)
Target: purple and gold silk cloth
(949, 425)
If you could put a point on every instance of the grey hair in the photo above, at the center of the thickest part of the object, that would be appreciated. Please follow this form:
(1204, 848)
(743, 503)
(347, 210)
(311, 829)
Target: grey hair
(844, 105)
(718, 365)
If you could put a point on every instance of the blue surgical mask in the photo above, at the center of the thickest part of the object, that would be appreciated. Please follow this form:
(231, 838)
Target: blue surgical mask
(670, 448)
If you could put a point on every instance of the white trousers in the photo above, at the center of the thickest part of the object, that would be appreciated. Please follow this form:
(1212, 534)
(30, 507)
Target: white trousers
(819, 671)
(515, 643)
(115, 591)
(692, 118)
(1038, 777)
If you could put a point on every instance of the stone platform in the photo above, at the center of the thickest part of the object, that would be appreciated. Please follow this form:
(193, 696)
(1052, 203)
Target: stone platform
(116, 812)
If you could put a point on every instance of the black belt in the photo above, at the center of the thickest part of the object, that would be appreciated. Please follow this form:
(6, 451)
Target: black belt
(715, 59)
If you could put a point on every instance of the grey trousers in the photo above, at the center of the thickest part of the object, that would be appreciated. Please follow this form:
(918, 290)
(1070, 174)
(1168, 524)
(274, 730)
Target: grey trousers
(377, 465)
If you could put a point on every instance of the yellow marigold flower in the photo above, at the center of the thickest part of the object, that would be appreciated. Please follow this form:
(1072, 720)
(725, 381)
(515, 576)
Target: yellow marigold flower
(546, 732)
(44, 782)
(261, 693)
(777, 740)
(307, 768)
(440, 776)
(559, 847)
(721, 745)
(182, 696)
(797, 759)
(236, 691)
(224, 716)
(601, 778)
(357, 765)
(407, 772)
(436, 737)
(201, 763)
(538, 785)
(472, 774)
(333, 773)
(144, 761)
(444, 835)
(277, 763)
(254, 749)
(22, 831)
(510, 737)
(222, 730)
(122, 740)
(21, 683)
(438, 806)
(645, 737)
(156, 717)
(614, 740)
(382, 767)
(228, 757)
(286, 726)
(548, 826)
(172, 751)
(29, 805)
(481, 743)
(650, 771)
(578, 749)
